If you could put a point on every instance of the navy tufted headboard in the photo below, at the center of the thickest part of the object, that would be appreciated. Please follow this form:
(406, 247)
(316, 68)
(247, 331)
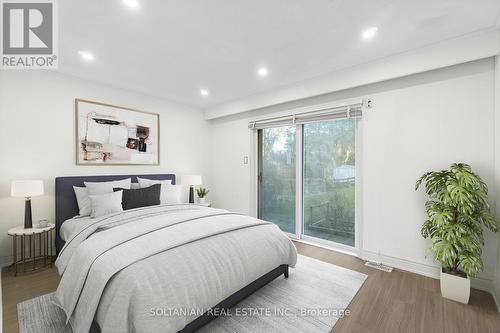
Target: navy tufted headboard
(66, 205)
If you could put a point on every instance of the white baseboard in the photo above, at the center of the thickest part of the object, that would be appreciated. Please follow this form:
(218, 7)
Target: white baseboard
(324, 246)
(403, 264)
(483, 284)
(496, 302)
(425, 270)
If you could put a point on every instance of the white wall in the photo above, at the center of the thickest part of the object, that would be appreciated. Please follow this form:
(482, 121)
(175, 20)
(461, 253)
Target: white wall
(37, 138)
(497, 171)
(418, 123)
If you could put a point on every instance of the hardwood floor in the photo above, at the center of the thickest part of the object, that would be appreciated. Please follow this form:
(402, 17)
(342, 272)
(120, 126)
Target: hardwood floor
(387, 302)
(405, 302)
(23, 287)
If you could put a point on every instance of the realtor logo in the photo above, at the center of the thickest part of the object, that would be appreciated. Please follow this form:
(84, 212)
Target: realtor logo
(28, 34)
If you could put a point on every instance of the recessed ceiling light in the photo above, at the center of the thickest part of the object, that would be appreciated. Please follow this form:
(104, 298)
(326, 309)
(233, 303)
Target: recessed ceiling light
(369, 33)
(204, 92)
(131, 3)
(87, 56)
(263, 71)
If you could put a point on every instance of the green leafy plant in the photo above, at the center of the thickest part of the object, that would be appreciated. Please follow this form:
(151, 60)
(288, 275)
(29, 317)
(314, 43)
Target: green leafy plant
(202, 192)
(457, 209)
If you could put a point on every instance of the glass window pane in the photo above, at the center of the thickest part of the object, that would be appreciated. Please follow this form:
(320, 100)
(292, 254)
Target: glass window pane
(329, 180)
(277, 176)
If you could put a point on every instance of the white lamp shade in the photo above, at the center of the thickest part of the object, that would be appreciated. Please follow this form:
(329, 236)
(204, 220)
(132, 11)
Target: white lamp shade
(191, 180)
(26, 188)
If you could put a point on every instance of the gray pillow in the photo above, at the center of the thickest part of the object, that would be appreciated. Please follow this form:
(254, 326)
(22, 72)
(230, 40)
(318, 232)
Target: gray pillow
(170, 194)
(107, 187)
(144, 197)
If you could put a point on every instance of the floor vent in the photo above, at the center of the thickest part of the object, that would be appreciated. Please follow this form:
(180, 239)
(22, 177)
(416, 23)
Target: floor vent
(378, 265)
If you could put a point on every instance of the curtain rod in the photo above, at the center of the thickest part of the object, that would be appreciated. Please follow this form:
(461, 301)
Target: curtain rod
(315, 111)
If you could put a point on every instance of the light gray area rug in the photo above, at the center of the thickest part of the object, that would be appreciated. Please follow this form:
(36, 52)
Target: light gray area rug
(311, 300)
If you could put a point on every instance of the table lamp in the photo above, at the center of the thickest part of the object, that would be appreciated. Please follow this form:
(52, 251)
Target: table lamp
(27, 189)
(192, 181)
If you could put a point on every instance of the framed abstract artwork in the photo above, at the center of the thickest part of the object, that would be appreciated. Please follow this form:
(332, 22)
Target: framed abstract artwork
(114, 135)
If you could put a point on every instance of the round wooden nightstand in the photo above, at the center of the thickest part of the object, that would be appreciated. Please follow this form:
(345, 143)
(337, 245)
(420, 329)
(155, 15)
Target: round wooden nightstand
(38, 241)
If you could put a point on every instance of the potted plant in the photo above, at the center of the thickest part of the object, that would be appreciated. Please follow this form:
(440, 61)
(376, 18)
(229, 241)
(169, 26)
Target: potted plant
(457, 210)
(202, 193)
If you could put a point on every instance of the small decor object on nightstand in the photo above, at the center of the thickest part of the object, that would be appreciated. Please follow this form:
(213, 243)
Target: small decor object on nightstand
(202, 193)
(43, 223)
(192, 181)
(26, 189)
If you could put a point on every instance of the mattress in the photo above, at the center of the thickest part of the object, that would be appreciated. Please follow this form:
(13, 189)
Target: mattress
(69, 226)
(122, 269)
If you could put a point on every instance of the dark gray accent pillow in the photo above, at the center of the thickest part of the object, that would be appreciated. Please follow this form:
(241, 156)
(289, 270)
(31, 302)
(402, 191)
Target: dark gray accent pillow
(142, 197)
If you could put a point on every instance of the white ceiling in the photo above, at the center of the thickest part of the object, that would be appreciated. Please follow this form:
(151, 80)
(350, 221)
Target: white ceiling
(172, 49)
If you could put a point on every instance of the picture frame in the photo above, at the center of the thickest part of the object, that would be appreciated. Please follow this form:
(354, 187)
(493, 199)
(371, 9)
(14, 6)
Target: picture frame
(107, 134)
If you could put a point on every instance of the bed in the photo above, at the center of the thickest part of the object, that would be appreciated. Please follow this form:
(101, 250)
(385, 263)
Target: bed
(169, 268)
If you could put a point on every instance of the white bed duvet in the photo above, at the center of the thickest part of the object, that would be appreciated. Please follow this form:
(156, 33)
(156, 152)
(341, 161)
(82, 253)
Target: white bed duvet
(156, 269)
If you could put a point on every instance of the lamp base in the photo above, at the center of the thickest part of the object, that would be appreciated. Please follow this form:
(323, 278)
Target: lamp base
(28, 222)
(191, 194)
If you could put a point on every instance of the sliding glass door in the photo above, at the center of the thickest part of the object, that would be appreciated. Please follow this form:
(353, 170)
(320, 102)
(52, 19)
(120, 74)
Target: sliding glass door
(329, 175)
(277, 176)
(318, 158)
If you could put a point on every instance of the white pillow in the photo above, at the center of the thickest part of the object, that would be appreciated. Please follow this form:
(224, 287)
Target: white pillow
(83, 200)
(107, 203)
(169, 194)
(107, 187)
(144, 182)
(135, 186)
